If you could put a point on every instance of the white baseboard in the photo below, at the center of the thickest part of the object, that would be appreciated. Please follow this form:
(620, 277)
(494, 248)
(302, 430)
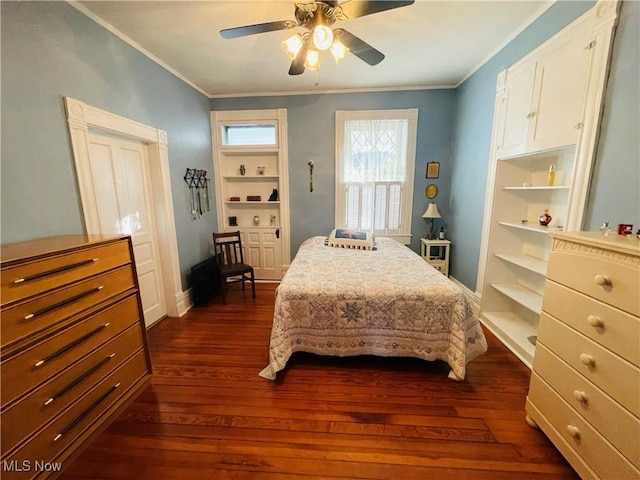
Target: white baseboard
(183, 302)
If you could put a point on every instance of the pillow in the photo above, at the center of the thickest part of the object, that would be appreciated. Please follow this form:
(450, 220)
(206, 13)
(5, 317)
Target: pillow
(345, 238)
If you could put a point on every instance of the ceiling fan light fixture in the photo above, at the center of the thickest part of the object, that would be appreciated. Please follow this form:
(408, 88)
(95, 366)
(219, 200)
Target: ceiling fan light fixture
(313, 60)
(292, 45)
(338, 50)
(322, 37)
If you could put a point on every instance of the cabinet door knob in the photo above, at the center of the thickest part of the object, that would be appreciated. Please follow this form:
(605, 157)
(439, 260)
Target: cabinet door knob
(580, 396)
(588, 360)
(573, 431)
(602, 280)
(595, 321)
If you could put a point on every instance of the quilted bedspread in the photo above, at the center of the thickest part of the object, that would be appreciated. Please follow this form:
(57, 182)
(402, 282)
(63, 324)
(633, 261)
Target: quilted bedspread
(385, 302)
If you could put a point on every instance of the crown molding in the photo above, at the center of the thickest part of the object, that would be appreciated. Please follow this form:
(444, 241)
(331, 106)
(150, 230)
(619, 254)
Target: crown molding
(107, 26)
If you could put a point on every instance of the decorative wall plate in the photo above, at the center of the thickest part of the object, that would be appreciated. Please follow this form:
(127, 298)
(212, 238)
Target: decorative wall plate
(431, 191)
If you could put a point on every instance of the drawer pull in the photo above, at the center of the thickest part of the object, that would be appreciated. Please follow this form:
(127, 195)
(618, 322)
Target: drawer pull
(573, 431)
(602, 280)
(580, 396)
(63, 303)
(79, 379)
(85, 413)
(56, 270)
(588, 360)
(595, 322)
(73, 344)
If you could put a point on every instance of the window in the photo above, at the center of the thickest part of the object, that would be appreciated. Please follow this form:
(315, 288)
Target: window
(248, 134)
(375, 162)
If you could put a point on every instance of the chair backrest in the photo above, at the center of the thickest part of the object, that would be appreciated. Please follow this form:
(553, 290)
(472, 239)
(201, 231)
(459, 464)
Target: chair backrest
(228, 248)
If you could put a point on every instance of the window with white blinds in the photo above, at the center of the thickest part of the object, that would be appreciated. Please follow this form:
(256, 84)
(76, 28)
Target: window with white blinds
(375, 162)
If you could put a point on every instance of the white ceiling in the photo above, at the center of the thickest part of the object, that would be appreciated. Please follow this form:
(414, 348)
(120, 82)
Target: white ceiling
(427, 44)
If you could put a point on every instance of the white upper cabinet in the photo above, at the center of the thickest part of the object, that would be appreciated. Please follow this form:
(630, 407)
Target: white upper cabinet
(543, 100)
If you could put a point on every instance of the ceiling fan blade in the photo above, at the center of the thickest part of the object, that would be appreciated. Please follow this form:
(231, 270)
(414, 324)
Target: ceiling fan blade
(359, 47)
(354, 9)
(257, 28)
(297, 66)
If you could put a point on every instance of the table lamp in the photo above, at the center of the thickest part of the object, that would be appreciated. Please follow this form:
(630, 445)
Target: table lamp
(431, 213)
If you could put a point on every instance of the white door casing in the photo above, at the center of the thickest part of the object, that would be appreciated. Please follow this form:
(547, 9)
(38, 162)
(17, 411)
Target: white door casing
(120, 175)
(81, 117)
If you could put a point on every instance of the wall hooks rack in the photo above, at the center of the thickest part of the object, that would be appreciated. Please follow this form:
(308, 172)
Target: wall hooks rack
(198, 194)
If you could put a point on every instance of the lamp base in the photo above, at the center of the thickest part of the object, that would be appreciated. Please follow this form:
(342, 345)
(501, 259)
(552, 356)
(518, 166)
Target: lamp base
(430, 236)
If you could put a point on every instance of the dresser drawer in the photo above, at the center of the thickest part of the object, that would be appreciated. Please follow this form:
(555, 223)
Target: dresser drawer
(67, 427)
(597, 274)
(35, 410)
(614, 329)
(32, 278)
(619, 378)
(58, 306)
(570, 429)
(615, 423)
(31, 367)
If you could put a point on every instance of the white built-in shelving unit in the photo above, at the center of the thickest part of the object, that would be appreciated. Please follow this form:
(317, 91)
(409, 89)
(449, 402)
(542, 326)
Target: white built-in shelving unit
(546, 113)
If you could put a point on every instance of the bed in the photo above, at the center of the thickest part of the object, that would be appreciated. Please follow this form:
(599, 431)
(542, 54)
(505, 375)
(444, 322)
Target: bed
(385, 301)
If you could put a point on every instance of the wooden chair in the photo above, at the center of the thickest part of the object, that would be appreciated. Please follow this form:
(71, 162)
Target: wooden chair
(228, 252)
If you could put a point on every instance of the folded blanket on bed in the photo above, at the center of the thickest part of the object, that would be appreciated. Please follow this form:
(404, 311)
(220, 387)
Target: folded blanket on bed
(355, 239)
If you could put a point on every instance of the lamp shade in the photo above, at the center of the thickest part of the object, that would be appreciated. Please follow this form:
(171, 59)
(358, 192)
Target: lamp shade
(431, 211)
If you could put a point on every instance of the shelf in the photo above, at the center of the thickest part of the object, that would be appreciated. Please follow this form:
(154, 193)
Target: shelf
(228, 202)
(524, 261)
(519, 294)
(539, 155)
(538, 188)
(250, 177)
(513, 332)
(529, 227)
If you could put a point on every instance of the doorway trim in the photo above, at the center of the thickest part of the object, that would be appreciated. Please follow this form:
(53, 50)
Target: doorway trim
(81, 118)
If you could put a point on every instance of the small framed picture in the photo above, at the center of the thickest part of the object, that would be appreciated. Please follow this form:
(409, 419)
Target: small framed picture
(433, 169)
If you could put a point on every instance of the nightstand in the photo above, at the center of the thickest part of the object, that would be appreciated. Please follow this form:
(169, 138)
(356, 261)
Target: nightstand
(436, 254)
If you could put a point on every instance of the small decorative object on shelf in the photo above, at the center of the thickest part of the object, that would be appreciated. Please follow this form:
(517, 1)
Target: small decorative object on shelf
(545, 218)
(254, 198)
(604, 228)
(261, 170)
(243, 169)
(256, 220)
(551, 180)
(274, 195)
(272, 220)
(233, 221)
(234, 199)
(625, 229)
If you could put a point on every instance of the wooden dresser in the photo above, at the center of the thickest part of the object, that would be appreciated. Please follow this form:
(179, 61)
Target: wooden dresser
(585, 384)
(74, 347)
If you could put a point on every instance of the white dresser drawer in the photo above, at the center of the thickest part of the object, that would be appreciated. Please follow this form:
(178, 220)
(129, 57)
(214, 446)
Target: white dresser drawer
(614, 329)
(572, 430)
(615, 423)
(619, 378)
(606, 275)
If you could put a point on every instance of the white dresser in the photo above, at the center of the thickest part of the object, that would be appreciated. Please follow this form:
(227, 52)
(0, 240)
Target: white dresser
(585, 384)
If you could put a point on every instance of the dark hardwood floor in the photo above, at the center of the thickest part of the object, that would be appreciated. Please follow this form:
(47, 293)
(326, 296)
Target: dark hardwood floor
(207, 414)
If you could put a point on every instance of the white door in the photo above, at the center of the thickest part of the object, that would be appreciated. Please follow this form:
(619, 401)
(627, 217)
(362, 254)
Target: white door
(263, 251)
(120, 177)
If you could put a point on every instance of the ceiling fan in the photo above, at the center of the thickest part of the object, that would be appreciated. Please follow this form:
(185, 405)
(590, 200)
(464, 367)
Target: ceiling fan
(317, 17)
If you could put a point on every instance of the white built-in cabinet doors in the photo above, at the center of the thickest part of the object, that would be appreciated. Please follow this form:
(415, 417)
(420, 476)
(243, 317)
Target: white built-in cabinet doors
(263, 250)
(543, 101)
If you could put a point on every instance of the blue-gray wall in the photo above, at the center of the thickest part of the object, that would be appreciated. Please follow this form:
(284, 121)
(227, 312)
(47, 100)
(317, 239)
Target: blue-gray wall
(615, 187)
(49, 51)
(311, 125)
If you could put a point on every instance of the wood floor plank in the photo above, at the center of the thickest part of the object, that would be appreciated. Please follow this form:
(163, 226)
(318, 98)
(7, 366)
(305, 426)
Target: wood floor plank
(207, 413)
